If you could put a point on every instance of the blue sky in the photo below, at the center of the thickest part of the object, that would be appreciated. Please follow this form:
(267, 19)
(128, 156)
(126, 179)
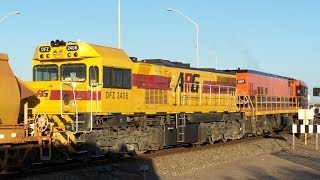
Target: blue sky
(279, 37)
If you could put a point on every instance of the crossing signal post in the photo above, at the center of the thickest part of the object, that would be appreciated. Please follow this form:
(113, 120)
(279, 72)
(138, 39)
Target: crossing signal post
(306, 115)
(302, 128)
(316, 92)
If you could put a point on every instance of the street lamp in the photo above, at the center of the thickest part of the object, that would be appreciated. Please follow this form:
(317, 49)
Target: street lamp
(5, 17)
(197, 32)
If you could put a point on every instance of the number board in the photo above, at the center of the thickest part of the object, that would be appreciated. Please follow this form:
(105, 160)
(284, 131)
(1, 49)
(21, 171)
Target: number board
(241, 81)
(72, 48)
(44, 49)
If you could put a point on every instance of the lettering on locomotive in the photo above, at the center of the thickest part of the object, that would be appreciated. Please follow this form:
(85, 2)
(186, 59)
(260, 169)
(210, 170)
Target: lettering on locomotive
(241, 81)
(72, 47)
(45, 49)
(42, 93)
(188, 81)
(116, 95)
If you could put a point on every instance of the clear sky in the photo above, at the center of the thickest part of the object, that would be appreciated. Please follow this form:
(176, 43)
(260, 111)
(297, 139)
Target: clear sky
(275, 36)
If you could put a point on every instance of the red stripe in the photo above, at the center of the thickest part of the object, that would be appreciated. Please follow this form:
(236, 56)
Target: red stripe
(144, 81)
(219, 83)
(80, 95)
(215, 87)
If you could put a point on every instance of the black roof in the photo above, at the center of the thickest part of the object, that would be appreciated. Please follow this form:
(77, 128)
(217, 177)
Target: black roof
(163, 62)
(261, 73)
(167, 63)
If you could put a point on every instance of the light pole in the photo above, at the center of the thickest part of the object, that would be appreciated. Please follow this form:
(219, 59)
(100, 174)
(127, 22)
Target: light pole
(197, 32)
(5, 17)
(119, 28)
(216, 55)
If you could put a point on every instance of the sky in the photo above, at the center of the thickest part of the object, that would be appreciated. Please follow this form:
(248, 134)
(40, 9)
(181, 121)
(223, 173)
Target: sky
(278, 37)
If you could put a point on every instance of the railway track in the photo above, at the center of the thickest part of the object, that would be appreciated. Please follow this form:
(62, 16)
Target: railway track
(97, 163)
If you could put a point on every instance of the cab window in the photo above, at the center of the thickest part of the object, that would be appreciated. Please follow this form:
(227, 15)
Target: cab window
(116, 78)
(302, 91)
(45, 73)
(93, 74)
(73, 72)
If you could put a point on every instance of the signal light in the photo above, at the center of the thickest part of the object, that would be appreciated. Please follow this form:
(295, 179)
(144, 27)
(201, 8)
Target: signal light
(75, 54)
(69, 54)
(54, 53)
(316, 91)
(48, 55)
(41, 56)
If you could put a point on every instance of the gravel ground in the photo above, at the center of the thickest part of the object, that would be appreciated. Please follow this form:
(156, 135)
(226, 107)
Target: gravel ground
(188, 163)
(173, 165)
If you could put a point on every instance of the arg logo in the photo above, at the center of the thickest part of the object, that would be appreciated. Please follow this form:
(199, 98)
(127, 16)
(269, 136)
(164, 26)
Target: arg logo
(188, 81)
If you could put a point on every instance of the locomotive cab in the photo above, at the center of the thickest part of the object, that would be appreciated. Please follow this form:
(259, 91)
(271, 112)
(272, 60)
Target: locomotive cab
(75, 77)
(301, 91)
(67, 75)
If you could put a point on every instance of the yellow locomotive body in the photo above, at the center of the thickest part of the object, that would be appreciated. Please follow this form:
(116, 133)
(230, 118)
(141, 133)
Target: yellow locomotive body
(97, 99)
(83, 88)
(93, 69)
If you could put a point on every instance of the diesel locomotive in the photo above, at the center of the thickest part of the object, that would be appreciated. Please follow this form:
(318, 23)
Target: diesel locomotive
(95, 100)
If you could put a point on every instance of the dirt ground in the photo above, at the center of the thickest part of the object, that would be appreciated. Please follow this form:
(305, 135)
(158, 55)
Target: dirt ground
(301, 163)
(279, 163)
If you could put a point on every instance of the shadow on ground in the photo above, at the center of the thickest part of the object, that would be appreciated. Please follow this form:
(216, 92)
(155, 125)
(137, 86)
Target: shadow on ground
(128, 168)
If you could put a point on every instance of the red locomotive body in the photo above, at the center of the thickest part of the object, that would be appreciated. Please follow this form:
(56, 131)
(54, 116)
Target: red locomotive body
(255, 82)
(269, 92)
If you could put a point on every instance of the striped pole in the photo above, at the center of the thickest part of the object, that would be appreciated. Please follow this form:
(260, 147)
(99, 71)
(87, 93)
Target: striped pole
(305, 123)
(294, 130)
(317, 142)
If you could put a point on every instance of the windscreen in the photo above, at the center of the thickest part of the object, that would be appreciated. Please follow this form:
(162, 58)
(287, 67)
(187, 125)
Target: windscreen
(45, 73)
(73, 72)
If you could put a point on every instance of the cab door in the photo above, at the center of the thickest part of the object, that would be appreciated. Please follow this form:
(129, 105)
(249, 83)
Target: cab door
(95, 86)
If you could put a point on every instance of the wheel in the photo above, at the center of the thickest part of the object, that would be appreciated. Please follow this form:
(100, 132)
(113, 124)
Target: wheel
(224, 138)
(41, 122)
(137, 151)
(210, 140)
(196, 145)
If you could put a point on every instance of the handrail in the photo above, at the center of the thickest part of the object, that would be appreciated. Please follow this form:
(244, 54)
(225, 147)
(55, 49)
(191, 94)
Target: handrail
(210, 86)
(185, 97)
(91, 102)
(247, 98)
(73, 85)
(280, 102)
